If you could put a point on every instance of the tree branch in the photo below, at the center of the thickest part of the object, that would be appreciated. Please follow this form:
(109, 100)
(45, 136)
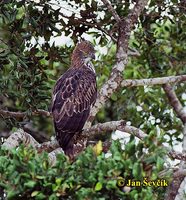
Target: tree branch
(120, 125)
(177, 155)
(40, 136)
(21, 136)
(153, 81)
(176, 184)
(113, 126)
(21, 115)
(174, 102)
(48, 146)
(112, 10)
(52, 156)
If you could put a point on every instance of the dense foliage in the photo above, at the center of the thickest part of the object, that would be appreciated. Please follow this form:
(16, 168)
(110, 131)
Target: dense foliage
(27, 175)
(31, 61)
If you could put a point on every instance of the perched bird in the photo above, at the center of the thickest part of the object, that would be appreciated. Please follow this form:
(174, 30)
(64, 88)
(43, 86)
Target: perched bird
(73, 95)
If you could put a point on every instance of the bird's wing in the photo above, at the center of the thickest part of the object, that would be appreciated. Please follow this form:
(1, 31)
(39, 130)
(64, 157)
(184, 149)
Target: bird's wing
(73, 95)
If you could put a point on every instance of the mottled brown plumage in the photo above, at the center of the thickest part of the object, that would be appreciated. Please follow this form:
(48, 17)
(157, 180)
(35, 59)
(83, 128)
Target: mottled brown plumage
(73, 95)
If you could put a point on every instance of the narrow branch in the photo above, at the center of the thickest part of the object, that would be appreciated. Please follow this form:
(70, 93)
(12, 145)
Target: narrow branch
(40, 136)
(112, 10)
(177, 155)
(153, 81)
(93, 24)
(17, 115)
(99, 27)
(21, 115)
(174, 102)
(42, 112)
(113, 126)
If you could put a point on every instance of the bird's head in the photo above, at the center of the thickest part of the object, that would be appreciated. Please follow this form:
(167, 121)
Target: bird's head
(83, 51)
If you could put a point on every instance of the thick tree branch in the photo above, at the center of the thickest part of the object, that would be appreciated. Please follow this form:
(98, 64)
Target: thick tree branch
(112, 10)
(174, 102)
(19, 136)
(176, 184)
(113, 126)
(120, 125)
(114, 82)
(48, 146)
(22, 137)
(179, 191)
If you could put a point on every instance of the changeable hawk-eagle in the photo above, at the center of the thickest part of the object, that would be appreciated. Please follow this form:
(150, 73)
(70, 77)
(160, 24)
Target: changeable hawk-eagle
(73, 95)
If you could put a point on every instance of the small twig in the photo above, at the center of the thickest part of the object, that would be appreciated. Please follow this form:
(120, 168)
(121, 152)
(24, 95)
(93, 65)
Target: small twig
(112, 10)
(106, 32)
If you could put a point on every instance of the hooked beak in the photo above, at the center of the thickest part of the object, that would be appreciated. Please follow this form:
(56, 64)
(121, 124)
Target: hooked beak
(93, 56)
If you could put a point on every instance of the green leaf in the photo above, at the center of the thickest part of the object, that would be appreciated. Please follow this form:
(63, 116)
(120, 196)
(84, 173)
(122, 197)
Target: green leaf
(98, 186)
(137, 170)
(114, 97)
(40, 196)
(58, 181)
(11, 194)
(159, 163)
(34, 193)
(30, 184)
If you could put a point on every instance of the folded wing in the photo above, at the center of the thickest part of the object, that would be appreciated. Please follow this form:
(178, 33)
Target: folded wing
(73, 95)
